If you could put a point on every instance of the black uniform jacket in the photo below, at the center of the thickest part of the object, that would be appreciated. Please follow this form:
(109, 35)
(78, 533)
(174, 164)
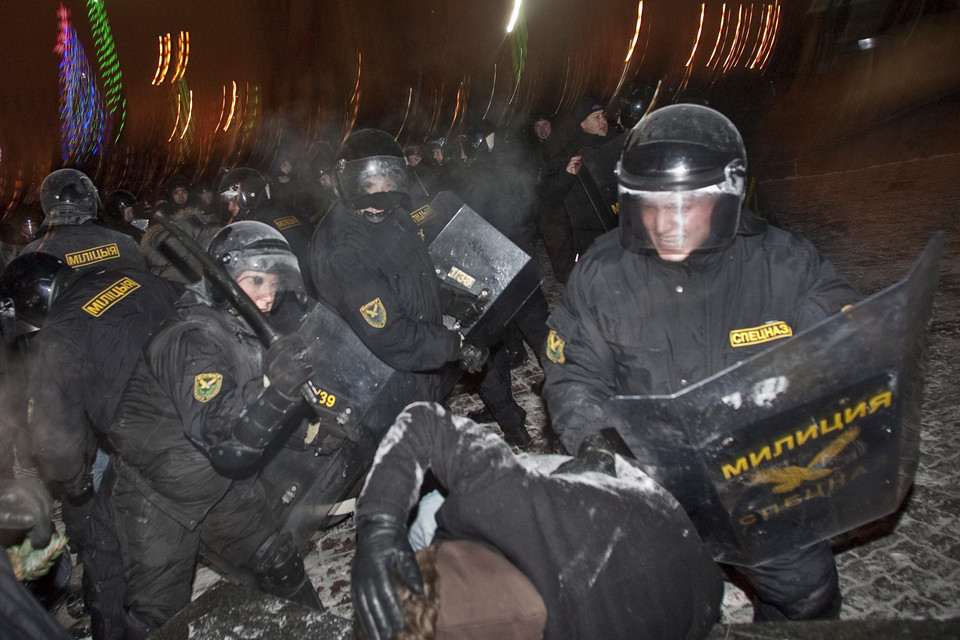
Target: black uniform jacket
(611, 557)
(90, 247)
(633, 324)
(184, 397)
(380, 279)
(83, 357)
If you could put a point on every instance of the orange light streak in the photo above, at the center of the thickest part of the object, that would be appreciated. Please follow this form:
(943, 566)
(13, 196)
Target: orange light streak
(163, 62)
(716, 46)
(736, 40)
(177, 122)
(773, 37)
(183, 56)
(189, 116)
(233, 107)
(746, 36)
(636, 33)
(696, 42)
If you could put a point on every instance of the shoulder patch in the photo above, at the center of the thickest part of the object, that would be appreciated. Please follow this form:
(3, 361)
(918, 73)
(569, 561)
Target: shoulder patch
(555, 346)
(98, 304)
(286, 222)
(374, 313)
(757, 335)
(206, 386)
(92, 255)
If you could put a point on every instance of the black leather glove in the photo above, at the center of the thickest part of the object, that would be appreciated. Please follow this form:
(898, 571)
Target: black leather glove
(596, 454)
(25, 505)
(466, 308)
(382, 550)
(471, 357)
(288, 365)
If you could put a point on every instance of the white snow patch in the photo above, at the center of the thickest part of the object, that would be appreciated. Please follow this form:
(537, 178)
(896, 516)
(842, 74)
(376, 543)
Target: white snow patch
(766, 391)
(734, 400)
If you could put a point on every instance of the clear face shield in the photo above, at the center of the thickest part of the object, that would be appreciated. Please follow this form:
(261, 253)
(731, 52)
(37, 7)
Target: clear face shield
(677, 223)
(376, 185)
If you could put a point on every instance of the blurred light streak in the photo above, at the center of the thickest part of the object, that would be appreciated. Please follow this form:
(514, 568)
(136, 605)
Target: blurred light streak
(758, 42)
(773, 35)
(696, 41)
(716, 46)
(493, 90)
(233, 107)
(109, 64)
(746, 37)
(736, 40)
(186, 125)
(636, 33)
(176, 122)
(354, 104)
(183, 56)
(519, 48)
(406, 113)
(514, 15)
(81, 105)
(163, 62)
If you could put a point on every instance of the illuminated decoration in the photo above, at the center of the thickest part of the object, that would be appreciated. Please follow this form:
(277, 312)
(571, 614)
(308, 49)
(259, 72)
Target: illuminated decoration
(183, 57)
(163, 62)
(109, 65)
(82, 116)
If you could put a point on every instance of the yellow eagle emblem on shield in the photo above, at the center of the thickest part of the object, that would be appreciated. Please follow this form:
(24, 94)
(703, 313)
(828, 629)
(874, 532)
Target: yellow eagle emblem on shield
(374, 313)
(555, 346)
(206, 386)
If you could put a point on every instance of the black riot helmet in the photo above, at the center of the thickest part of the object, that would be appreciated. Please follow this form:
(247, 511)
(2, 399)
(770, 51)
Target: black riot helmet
(636, 104)
(372, 174)
(28, 287)
(244, 186)
(249, 245)
(68, 197)
(20, 226)
(681, 182)
(114, 211)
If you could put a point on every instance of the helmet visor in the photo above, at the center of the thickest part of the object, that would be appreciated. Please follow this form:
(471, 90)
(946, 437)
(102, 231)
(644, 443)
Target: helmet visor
(361, 180)
(278, 261)
(677, 223)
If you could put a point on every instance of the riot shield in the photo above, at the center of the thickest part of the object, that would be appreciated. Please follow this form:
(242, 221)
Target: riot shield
(808, 439)
(470, 255)
(363, 396)
(599, 180)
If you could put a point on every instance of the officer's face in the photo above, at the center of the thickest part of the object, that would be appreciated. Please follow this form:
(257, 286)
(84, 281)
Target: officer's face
(261, 287)
(179, 195)
(677, 223)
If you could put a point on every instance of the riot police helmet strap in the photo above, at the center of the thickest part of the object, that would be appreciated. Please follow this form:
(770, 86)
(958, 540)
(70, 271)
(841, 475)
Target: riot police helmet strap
(371, 162)
(682, 177)
(249, 245)
(68, 197)
(29, 286)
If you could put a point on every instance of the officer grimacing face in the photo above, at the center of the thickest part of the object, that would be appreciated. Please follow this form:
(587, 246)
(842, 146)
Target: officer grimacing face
(678, 223)
(261, 287)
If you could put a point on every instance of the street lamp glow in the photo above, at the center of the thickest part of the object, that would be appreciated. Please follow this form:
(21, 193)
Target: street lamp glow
(515, 15)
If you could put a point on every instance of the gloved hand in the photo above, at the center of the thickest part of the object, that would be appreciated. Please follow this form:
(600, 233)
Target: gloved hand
(288, 366)
(471, 357)
(382, 550)
(466, 308)
(596, 453)
(25, 505)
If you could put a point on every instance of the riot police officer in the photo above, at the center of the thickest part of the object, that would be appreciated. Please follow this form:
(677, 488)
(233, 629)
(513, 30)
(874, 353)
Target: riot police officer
(70, 205)
(88, 330)
(651, 308)
(370, 264)
(120, 214)
(191, 430)
(245, 195)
